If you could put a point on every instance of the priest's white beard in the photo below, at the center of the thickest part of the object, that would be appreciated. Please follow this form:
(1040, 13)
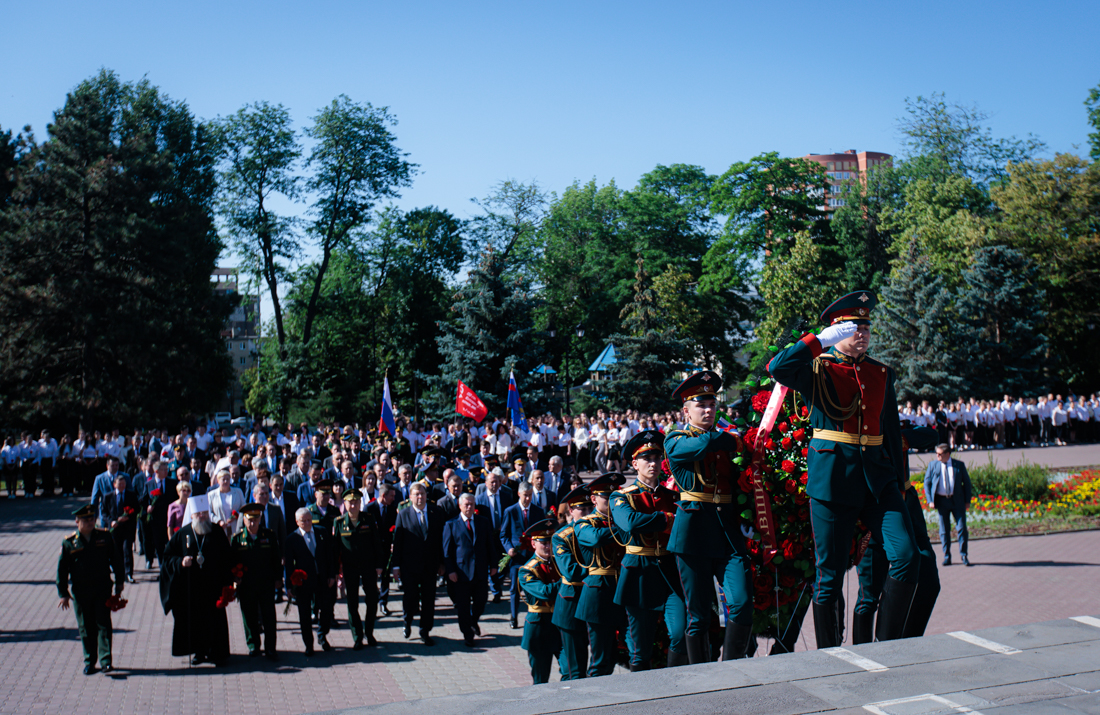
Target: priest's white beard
(202, 527)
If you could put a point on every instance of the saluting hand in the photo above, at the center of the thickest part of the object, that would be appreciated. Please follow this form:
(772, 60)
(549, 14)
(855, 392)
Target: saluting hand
(833, 334)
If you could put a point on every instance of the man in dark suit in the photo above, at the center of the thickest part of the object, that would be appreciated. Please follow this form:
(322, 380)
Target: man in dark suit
(119, 511)
(471, 551)
(541, 495)
(309, 552)
(160, 492)
(947, 487)
(494, 499)
(448, 504)
(557, 480)
(384, 512)
(517, 518)
(417, 559)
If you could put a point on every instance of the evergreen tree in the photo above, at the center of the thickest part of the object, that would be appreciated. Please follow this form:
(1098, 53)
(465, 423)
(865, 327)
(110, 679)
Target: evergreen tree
(1002, 318)
(491, 332)
(105, 263)
(648, 351)
(914, 334)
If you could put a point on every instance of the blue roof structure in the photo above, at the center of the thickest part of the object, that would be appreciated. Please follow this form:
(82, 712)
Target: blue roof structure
(544, 370)
(605, 361)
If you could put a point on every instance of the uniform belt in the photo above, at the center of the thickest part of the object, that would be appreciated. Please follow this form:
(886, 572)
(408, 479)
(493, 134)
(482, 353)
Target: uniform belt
(703, 496)
(848, 438)
(646, 550)
(603, 572)
(574, 584)
(540, 608)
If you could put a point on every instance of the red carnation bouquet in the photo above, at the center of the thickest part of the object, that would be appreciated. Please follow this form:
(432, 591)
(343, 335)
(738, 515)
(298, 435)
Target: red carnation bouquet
(116, 602)
(128, 511)
(238, 571)
(783, 583)
(229, 594)
(155, 493)
(298, 577)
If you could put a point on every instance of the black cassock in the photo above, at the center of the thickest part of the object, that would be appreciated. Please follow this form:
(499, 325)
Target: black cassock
(191, 593)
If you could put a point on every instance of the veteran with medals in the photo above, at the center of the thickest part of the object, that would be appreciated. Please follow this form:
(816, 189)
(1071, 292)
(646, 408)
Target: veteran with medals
(257, 568)
(707, 535)
(360, 550)
(648, 581)
(855, 462)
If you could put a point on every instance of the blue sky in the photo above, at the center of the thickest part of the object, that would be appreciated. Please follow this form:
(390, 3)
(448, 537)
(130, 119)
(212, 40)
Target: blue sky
(564, 91)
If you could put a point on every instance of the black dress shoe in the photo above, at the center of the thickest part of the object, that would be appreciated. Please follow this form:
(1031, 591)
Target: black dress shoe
(496, 598)
(966, 561)
(107, 669)
(512, 624)
(273, 656)
(89, 670)
(428, 640)
(385, 610)
(309, 651)
(947, 560)
(325, 645)
(407, 630)
(254, 653)
(371, 640)
(197, 660)
(358, 645)
(469, 641)
(477, 630)
(130, 579)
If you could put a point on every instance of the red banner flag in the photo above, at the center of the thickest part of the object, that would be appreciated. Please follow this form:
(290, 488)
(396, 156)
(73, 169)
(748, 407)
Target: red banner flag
(469, 404)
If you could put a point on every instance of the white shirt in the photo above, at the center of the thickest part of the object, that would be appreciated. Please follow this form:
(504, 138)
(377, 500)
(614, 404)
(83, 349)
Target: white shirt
(203, 441)
(946, 485)
(310, 540)
(48, 448)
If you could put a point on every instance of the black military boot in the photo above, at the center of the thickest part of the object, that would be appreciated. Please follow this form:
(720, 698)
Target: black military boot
(897, 600)
(863, 627)
(736, 641)
(827, 625)
(923, 603)
(676, 659)
(697, 649)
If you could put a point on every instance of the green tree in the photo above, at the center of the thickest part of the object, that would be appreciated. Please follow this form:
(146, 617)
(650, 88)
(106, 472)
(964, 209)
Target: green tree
(258, 149)
(865, 241)
(1050, 212)
(105, 263)
(355, 163)
(648, 352)
(1002, 316)
(1093, 104)
(915, 333)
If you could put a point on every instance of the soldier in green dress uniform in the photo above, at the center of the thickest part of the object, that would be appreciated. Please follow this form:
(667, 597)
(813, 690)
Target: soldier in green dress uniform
(573, 660)
(322, 513)
(707, 536)
(87, 558)
(361, 550)
(855, 462)
(257, 561)
(601, 556)
(874, 565)
(540, 580)
(648, 581)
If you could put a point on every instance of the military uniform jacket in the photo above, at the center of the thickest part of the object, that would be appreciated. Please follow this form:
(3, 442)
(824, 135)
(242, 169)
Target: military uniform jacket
(829, 382)
(89, 562)
(261, 558)
(540, 581)
(702, 465)
(648, 573)
(323, 521)
(564, 545)
(600, 555)
(359, 545)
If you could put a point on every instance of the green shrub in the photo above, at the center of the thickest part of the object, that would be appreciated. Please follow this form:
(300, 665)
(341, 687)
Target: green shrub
(1023, 481)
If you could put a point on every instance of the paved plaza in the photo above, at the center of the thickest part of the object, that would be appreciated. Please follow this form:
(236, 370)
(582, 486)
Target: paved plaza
(1016, 580)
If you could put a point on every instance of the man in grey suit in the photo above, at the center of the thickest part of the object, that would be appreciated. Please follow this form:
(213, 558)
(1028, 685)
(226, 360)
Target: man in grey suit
(947, 487)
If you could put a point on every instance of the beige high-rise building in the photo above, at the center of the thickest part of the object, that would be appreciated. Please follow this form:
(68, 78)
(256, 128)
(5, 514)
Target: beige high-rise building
(844, 167)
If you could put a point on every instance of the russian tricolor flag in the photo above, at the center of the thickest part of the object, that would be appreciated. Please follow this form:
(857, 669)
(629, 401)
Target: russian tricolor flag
(386, 423)
(518, 418)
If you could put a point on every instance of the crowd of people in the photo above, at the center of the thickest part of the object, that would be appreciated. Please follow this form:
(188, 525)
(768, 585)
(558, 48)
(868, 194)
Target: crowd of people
(1042, 421)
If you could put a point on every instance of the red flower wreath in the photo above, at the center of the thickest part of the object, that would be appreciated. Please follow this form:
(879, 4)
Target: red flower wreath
(760, 400)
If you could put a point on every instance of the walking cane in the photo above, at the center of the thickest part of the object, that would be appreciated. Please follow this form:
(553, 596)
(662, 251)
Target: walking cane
(186, 553)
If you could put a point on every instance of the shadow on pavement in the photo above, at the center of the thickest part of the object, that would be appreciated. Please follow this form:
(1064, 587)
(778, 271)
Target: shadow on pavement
(45, 634)
(1029, 564)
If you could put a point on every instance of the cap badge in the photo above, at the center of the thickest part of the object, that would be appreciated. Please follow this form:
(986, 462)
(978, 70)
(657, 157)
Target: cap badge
(863, 298)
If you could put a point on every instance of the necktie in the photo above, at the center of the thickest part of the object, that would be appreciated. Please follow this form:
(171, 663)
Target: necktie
(470, 527)
(538, 499)
(524, 518)
(420, 517)
(496, 513)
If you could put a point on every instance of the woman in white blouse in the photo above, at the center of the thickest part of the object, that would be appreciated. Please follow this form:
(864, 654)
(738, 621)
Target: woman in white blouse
(502, 443)
(580, 444)
(599, 437)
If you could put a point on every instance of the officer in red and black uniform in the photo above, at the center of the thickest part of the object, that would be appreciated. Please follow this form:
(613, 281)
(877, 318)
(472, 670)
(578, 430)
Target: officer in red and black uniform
(855, 463)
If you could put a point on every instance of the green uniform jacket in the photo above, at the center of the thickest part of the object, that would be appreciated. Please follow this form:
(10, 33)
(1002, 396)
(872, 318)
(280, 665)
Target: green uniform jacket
(540, 581)
(89, 563)
(838, 472)
(597, 550)
(702, 462)
(262, 561)
(324, 521)
(564, 545)
(360, 545)
(637, 514)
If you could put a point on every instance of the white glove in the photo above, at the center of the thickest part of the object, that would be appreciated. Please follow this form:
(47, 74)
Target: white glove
(747, 531)
(833, 334)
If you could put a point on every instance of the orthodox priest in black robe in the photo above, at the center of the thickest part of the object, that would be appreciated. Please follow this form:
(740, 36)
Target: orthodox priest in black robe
(194, 574)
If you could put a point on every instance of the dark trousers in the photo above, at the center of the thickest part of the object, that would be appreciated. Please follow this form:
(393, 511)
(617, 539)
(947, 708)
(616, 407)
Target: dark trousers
(605, 646)
(308, 600)
(697, 574)
(93, 620)
(469, 598)
(418, 599)
(384, 587)
(513, 587)
(124, 546)
(642, 627)
(946, 512)
(48, 473)
(66, 471)
(361, 627)
(834, 527)
(573, 661)
(258, 614)
(30, 478)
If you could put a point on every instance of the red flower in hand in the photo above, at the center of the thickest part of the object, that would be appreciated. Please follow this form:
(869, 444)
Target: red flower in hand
(155, 493)
(298, 577)
(234, 514)
(129, 511)
(229, 594)
(116, 602)
(788, 466)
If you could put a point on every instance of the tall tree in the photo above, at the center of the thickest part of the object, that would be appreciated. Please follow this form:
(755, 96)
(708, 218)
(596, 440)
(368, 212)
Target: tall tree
(355, 163)
(258, 149)
(1002, 316)
(1093, 104)
(865, 241)
(914, 333)
(105, 265)
(647, 350)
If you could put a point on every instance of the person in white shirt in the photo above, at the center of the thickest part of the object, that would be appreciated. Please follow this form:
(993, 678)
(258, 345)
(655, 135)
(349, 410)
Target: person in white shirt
(30, 460)
(47, 447)
(581, 451)
(599, 438)
(501, 442)
(1060, 421)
